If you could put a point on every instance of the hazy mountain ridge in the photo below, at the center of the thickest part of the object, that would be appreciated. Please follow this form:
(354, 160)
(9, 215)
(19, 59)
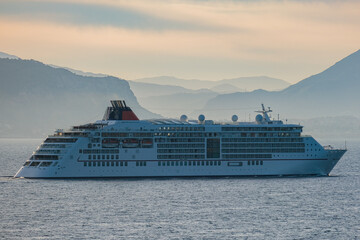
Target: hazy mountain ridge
(244, 83)
(145, 90)
(36, 98)
(5, 55)
(333, 92)
(171, 96)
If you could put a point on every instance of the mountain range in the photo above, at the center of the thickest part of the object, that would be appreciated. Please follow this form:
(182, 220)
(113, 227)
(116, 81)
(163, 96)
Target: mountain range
(239, 84)
(36, 98)
(333, 92)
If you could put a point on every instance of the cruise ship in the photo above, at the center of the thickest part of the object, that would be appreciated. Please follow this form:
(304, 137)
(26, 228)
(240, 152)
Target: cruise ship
(121, 145)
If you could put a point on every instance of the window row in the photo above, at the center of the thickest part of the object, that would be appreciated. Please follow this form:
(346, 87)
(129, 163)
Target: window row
(106, 164)
(61, 140)
(250, 129)
(124, 134)
(190, 145)
(192, 156)
(189, 163)
(40, 164)
(254, 134)
(48, 151)
(247, 156)
(265, 145)
(263, 139)
(181, 150)
(44, 157)
(179, 139)
(179, 134)
(49, 145)
(92, 151)
(103, 157)
(257, 162)
(181, 128)
(264, 150)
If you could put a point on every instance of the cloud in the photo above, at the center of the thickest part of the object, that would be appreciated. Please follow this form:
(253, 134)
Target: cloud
(288, 39)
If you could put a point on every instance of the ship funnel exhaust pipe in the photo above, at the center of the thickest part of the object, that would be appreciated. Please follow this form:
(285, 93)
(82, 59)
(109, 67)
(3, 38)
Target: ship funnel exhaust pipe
(119, 111)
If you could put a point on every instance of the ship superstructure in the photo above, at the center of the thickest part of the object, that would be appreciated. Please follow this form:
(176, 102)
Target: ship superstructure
(121, 145)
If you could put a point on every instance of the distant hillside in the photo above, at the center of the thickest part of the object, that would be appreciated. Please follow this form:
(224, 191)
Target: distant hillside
(81, 73)
(177, 104)
(144, 90)
(333, 92)
(243, 83)
(35, 98)
(226, 88)
(5, 55)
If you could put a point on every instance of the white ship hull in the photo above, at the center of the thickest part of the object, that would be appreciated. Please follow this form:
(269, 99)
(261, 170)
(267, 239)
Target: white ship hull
(172, 148)
(283, 167)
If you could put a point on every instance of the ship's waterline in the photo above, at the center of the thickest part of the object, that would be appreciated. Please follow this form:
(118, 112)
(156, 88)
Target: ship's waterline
(121, 145)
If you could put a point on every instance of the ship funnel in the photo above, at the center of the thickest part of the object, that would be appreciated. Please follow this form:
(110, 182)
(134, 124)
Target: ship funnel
(119, 111)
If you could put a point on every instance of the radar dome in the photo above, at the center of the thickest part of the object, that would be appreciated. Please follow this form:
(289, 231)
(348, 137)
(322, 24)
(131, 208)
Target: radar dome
(201, 118)
(259, 118)
(183, 118)
(234, 118)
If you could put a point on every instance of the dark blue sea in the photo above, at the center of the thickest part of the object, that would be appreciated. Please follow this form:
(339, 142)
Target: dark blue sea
(197, 208)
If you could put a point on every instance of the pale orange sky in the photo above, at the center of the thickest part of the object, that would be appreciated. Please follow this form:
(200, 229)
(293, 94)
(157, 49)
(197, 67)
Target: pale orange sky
(208, 40)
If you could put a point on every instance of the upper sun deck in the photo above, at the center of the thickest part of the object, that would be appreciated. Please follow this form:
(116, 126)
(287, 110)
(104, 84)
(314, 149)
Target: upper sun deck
(116, 119)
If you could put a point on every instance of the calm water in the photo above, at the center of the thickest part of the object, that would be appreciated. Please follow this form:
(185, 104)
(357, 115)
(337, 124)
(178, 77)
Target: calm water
(205, 208)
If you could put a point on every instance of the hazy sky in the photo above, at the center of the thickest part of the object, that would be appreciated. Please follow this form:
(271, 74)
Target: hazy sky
(211, 40)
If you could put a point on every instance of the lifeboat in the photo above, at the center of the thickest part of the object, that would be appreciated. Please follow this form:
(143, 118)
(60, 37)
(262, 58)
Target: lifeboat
(110, 143)
(147, 142)
(130, 143)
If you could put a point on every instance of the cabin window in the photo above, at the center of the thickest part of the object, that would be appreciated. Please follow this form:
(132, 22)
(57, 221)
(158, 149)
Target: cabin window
(85, 164)
(27, 163)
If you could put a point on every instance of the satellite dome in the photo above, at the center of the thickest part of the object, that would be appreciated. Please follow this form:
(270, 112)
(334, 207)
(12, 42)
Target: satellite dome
(183, 118)
(259, 118)
(201, 118)
(234, 118)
